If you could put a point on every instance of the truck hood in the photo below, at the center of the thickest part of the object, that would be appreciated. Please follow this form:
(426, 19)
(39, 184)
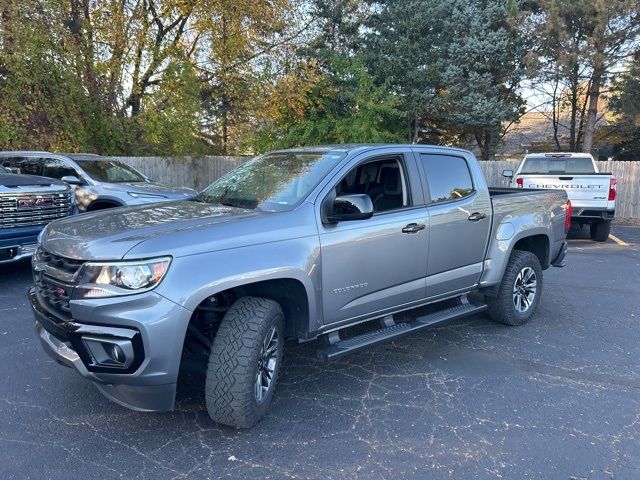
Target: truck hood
(173, 228)
(151, 188)
(13, 180)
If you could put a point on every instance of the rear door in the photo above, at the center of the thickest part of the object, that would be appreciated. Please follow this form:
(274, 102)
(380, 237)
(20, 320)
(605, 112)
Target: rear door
(460, 220)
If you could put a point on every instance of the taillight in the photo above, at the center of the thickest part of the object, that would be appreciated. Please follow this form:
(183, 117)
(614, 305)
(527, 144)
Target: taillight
(612, 189)
(520, 182)
(568, 211)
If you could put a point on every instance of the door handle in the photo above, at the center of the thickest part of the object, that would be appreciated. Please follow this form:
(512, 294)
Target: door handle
(476, 216)
(413, 228)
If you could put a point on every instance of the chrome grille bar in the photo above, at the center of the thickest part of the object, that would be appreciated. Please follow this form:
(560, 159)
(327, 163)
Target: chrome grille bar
(53, 207)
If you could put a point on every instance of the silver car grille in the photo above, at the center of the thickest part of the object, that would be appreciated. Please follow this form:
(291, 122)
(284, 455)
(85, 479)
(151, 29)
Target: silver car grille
(29, 209)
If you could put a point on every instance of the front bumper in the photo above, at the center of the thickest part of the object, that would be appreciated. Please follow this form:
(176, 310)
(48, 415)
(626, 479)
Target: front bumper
(149, 381)
(17, 243)
(16, 252)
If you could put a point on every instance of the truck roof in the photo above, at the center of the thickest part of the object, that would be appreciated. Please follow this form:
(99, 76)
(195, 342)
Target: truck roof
(23, 152)
(558, 155)
(73, 156)
(349, 147)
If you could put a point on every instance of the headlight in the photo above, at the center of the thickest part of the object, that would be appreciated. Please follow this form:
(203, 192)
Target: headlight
(110, 279)
(39, 239)
(145, 195)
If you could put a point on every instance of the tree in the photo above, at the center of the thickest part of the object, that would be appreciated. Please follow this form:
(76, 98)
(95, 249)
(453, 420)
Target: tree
(456, 65)
(624, 131)
(238, 36)
(346, 106)
(42, 104)
(581, 43)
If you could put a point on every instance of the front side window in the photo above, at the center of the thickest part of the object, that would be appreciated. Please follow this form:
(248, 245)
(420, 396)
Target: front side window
(56, 168)
(383, 180)
(273, 182)
(23, 165)
(448, 177)
(110, 171)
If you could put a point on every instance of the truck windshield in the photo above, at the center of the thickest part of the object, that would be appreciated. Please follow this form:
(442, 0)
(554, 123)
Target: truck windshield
(558, 165)
(273, 182)
(110, 171)
(3, 170)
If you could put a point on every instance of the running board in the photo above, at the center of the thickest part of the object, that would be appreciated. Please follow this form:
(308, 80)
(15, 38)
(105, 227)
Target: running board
(340, 348)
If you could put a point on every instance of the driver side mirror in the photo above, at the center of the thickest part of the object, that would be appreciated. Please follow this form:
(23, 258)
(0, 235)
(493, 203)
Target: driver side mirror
(507, 173)
(71, 180)
(351, 207)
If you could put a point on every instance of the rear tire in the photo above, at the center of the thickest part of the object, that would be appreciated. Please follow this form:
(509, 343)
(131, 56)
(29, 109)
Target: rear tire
(238, 370)
(600, 230)
(520, 290)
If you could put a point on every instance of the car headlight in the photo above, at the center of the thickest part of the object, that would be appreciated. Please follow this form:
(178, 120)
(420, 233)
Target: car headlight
(110, 279)
(145, 195)
(40, 235)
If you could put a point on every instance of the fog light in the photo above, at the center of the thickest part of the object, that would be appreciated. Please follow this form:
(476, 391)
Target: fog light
(109, 352)
(116, 353)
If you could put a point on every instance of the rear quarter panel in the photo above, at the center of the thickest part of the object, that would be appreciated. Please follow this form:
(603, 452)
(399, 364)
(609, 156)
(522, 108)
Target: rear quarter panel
(520, 215)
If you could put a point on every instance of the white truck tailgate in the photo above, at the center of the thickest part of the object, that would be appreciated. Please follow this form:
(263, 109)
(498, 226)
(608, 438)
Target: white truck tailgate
(584, 190)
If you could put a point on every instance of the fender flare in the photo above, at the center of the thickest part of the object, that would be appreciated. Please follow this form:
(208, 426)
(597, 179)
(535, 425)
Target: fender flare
(192, 302)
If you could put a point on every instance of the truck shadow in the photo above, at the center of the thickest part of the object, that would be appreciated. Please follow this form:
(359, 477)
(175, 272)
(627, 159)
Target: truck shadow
(307, 383)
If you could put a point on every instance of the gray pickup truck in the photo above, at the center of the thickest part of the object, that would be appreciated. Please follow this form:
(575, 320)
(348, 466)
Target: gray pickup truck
(346, 245)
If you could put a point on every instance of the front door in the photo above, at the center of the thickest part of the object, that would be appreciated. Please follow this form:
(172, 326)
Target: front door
(375, 265)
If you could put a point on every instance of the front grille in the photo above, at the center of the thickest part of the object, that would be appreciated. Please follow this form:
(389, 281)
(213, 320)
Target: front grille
(55, 294)
(54, 279)
(28, 209)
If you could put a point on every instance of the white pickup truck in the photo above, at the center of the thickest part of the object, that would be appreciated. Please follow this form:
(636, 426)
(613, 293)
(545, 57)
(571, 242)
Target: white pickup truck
(592, 193)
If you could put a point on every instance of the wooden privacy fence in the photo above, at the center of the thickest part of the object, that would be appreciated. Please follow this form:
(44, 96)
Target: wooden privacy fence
(198, 172)
(192, 172)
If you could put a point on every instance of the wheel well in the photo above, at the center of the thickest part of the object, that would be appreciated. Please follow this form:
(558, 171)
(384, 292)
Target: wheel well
(206, 318)
(538, 245)
(290, 294)
(101, 205)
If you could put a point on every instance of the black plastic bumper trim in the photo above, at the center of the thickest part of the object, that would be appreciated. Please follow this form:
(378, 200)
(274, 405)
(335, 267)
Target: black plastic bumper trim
(559, 261)
(71, 332)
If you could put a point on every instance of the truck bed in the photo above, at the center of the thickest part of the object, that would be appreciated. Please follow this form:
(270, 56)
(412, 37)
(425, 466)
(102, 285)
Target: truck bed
(513, 192)
(520, 207)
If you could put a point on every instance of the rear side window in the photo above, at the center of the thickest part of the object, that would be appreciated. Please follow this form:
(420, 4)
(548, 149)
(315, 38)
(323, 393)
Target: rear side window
(558, 165)
(23, 165)
(448, 177)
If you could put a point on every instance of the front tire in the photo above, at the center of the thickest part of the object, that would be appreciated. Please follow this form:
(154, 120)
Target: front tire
(600, 230)
(244, 362)
(520, 290)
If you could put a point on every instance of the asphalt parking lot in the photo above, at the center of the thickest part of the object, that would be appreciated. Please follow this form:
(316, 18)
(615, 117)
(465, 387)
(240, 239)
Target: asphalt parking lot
(558, 398)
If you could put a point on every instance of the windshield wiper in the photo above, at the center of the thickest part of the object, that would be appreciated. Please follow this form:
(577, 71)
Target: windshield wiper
(229, 204)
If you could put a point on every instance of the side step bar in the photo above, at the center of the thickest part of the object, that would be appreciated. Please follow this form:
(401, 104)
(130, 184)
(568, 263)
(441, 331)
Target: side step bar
(339, 348)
